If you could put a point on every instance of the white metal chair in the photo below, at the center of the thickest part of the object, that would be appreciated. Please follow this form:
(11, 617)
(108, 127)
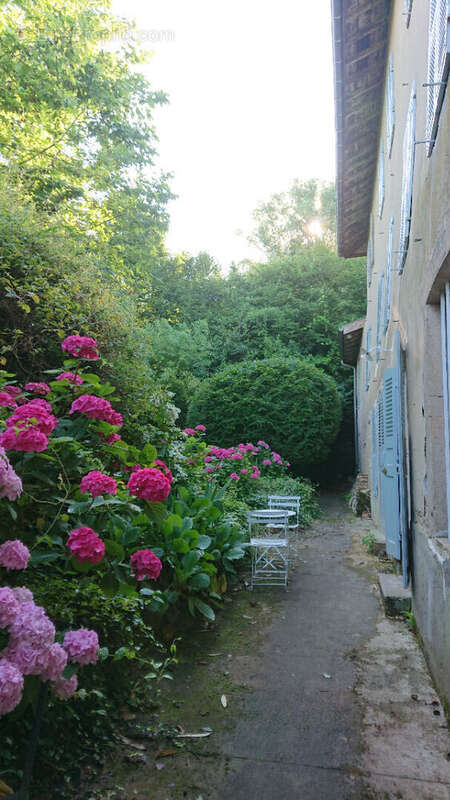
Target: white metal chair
(269, 541)
(289, 502)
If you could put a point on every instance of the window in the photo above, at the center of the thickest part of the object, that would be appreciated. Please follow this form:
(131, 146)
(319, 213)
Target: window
(407, 7)
(407, 180)
(381, 180)
(373, 424)
(387, 296)
(368, 356)
(390, 107)
(370, 253)
(379, 314)
(445, 341)
(438, 64)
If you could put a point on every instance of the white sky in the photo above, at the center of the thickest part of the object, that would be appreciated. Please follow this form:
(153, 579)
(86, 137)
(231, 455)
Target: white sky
(250, 85)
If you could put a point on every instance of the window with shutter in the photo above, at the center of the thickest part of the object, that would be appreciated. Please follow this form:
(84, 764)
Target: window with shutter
(368, 356)
(381, 180)
(407, 180)
(407, 7)
(438, 64)
(390, 107)
(387, 295)
(370, 253)
(379, 314)
(373, 424)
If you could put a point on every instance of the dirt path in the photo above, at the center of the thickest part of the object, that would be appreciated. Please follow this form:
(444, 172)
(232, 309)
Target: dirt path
(325, 698)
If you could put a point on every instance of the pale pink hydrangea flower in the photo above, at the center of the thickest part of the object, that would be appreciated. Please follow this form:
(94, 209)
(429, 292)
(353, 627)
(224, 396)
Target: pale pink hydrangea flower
(22, 594)
(81, 347)
(82, 646)
(244, 471)
(11, 687)
(30, 659)
(234, 476)
(31, 626)
(10, 483)
(65, 688)
(85, 545)
(14, 554)
(145, 564)
(97, 483)
(9, 606)
(57, 660)
(267, 462)
(149, 484)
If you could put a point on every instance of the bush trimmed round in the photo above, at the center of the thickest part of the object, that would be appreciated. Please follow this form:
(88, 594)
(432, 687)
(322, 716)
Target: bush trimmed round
(287, 402)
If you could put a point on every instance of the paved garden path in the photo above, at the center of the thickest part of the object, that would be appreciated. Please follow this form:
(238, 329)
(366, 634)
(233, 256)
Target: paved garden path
(326, 699)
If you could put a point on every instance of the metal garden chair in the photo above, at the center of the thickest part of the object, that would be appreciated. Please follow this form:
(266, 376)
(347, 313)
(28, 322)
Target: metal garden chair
(290, 503)
(269, 542)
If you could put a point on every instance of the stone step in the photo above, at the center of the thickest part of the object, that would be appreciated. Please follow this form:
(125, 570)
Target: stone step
(395, 598)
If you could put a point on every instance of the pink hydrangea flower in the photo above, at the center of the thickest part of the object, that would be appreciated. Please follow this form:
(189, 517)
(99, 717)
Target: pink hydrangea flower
(267, 462)
(56, 663)
(255, 475)
(244, 471)
(13, 391)
(22, 594)
(65, 688)
(96, 408)
(145, 564)
(81, 347)
(38, 388)
(82, 646)
(209, 469)
(189, 431)
(97, 483)
(7, 401)
(85, 545)
(14, 554)
(260, 443)
(77, 380)
(200, 428)
(164, 468)
(11, 687)
(27, 440)
(207, 459)
(9, 606)
(113, 437)
(10, 483)
(236, 457)
(31, 626)
(234, 476)
(149, 484)
(35, 414)
(30, 659)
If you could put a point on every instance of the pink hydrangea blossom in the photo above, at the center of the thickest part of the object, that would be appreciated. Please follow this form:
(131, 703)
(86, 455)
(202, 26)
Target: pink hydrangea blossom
(35, 414)
(200, 428)
(244, 471)
(236, 457)
(38, 388)
(149, 483)
(209, 469)
(11, 687)
(22, 594)
(207, 459)
(13, 391)
(113, 437)
(31, 626)
(9, 606)
(96, 408)
(158, 463)
(260, 443)
(145, 564)
(65, 688)
(30, 659)
(82, 646)
(189, 431)
(10, 483)
(267, 462)
(234, 476)
(56, 663)
(77, 380)
(81, 347)
(85, 545)
(255, 475)
(7, 401)
(14, 554)
(97, 483)
(27, 440)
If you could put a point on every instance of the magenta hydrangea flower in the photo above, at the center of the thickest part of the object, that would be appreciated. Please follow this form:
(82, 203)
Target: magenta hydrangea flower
(209, 469)
(145, 564)
(267, 462)
(65, 688)
(96, 408)
(22, 594)
(14, 554)
(56, 663)
(13, 391)
(36, 414)
(85, 545)
(82, 646)
(255, 475)
(38, 388)
(7, 401)
(77, 380)
(31, 626)
(10, 483)
(113, 437)
(244, 471)
(189, 431)
(81, 347)
(97, 483)
(200, 428)
(9, 606)
(11, 687)
(27, 440)
(234, 476)
(158, 463)
(149, 483)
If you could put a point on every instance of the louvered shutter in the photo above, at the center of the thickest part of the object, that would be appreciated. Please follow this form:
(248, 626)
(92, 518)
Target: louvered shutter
(370, 252)
(390, 107)
(407, 180)
(379, 314)
(387, 295)
(381, 179)
(373, 423)
(438, 64)
(368, 356)
(391, 499)
(445, 341)
(407, 6)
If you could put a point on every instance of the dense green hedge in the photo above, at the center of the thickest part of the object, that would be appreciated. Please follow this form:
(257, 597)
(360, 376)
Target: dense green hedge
(288, 402)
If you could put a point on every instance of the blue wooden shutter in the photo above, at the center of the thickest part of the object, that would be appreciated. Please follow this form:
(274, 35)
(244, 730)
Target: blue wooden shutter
(438, 65)
(400, 411)
(387, 296)
(368, 356)
(379, 314)
(407, 180)
(390, 471)
(373, 422)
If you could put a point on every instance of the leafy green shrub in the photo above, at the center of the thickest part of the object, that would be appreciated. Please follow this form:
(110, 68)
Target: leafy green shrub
(289, 402)
(285, 484)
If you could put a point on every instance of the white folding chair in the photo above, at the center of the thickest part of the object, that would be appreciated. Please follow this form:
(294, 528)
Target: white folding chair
(269, 542)
(290, 503)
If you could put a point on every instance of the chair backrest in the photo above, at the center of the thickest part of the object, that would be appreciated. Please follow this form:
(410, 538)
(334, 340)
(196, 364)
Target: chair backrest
(291, 502)
(266, 522)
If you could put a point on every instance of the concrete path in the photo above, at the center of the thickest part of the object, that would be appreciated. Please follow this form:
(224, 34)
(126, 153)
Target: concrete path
(326, 699)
